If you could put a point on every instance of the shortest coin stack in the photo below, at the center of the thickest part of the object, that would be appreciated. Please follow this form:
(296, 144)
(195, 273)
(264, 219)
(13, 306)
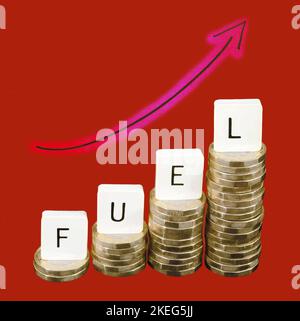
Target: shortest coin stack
(175, 229)
(235, 213)
(120, 254)
(59, 270)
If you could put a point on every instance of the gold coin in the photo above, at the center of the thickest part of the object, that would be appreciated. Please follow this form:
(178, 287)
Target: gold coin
(176, 273)
(230, 268)
(233, 255)
(179, 225)
(171, 242)
(171, 267)
(59, 270)
(238, 224)
(237, 177)
(175, 234)
(231, 230)
(185, 257)
(118, 262)
(237, 204)
(230, 236)
(117, 269)
(213, 194)
(119, 241)
(124, 256)
(121, 274)
(235, 261)
(177, 218)
(231, 190)
(212, 236)
(235, 184)
(52, 278)
(232, 274)
(237, 159)
(120, 258)
(177, 208)
(175, 255)
(177, 249)
(234, 217)
(235, 210)
(233, 248)
(236, 170)
(119, 252)
(165, 260)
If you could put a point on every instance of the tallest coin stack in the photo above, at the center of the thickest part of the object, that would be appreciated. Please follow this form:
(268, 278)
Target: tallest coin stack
(235, 184)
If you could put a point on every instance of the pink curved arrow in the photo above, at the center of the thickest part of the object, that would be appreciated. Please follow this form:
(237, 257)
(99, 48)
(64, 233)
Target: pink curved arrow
(226, 42)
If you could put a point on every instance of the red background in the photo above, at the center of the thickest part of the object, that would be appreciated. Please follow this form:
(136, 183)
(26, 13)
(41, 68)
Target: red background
(70, 68)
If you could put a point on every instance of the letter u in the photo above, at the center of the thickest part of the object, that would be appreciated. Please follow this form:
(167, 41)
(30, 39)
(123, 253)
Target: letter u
(112, 212)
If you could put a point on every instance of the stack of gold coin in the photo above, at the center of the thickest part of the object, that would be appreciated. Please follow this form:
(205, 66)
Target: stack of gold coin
(175, 229)
(235, 185)
(120, 254)
(59, 270)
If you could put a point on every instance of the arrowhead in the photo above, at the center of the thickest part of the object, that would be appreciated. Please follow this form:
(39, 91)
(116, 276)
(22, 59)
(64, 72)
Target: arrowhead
(233, 36)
